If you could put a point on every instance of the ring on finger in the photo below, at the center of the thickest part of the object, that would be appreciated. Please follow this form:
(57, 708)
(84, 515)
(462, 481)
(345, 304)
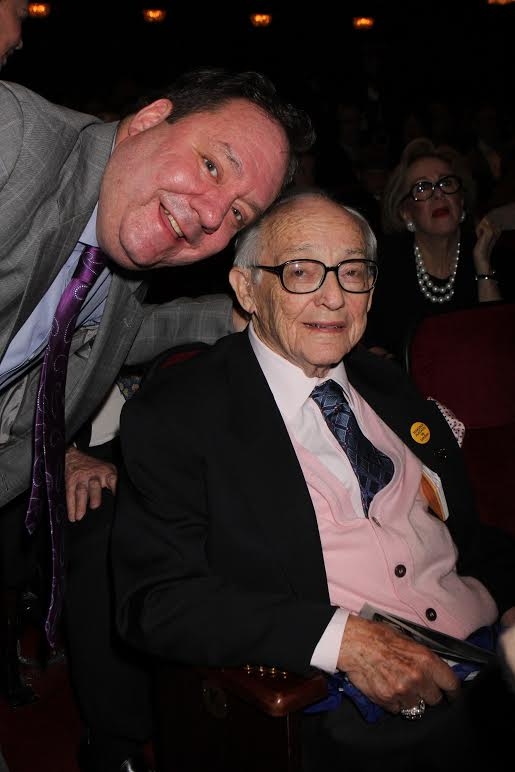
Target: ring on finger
(414, 713)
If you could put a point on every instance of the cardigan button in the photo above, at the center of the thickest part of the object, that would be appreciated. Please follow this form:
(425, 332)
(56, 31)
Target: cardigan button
(431, 614)
(400, 570)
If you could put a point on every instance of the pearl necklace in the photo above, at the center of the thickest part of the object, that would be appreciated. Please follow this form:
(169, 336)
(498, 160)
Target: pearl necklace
(429, 289)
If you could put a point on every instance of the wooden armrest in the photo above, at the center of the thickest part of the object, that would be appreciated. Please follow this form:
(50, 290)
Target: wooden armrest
(275, 692)
(231, 719)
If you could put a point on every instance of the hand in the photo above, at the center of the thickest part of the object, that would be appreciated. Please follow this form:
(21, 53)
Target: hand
(85, 477)
(508, 618)
(392, 670)
(487, 233)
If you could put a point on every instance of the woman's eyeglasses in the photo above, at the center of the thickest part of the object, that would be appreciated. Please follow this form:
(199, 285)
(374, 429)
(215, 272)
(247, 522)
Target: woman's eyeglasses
(423, 190)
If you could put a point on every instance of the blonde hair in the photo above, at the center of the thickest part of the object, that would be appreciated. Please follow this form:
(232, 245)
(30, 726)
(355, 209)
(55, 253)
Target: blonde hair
(396, 187)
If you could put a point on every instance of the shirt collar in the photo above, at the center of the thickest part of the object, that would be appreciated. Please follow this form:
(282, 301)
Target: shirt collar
(89, 234)
(289, 385)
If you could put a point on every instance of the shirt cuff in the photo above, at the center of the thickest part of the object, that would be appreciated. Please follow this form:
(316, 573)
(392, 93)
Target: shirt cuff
(325, 656)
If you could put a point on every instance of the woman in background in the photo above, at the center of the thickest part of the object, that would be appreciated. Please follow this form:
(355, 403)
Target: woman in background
(432, 256)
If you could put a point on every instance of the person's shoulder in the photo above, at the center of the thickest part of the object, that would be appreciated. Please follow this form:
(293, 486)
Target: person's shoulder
(19, 103)
(182, 367)
(181, 384)
(382, 374)
(21, 95)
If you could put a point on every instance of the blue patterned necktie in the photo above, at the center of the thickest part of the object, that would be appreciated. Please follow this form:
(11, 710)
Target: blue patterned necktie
(48, 483)
(373, 468)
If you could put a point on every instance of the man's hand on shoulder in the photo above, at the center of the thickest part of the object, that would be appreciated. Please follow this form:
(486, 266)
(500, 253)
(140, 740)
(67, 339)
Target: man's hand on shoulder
(85, 478)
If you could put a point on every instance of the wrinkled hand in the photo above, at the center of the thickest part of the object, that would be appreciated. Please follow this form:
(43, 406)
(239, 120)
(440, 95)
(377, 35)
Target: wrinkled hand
(85, 478)
(391, 669)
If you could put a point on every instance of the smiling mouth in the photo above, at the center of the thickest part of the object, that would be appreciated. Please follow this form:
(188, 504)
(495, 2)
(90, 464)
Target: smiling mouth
(173, 223)
(327, 326)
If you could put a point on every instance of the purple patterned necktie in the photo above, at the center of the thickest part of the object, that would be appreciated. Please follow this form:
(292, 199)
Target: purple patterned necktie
(373, 468)
(48, 484)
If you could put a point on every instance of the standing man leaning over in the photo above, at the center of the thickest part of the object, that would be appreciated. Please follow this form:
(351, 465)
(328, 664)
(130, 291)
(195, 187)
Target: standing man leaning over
(246, 533)
(168, 185)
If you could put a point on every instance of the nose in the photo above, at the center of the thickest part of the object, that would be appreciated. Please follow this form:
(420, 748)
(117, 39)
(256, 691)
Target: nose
(211, 208)
(330, 293)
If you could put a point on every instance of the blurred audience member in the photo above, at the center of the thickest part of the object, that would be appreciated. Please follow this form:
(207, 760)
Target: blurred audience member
(433, 256)
(489, 150)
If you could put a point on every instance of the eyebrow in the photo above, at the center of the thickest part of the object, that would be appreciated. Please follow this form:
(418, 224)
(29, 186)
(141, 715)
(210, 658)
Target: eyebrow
(298, 249)
(236, 164)
(440, 177)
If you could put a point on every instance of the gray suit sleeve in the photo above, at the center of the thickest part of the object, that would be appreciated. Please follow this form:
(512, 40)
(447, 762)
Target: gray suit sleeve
(184, 320)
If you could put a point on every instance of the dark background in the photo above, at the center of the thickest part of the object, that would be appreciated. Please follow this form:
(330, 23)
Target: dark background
(95, 49)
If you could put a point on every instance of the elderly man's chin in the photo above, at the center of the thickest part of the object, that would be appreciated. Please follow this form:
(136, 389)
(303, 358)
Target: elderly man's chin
(332, 352)
(317, 364)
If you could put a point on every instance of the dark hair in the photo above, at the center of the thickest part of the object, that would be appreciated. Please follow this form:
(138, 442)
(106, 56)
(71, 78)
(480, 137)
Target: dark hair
(206, 89)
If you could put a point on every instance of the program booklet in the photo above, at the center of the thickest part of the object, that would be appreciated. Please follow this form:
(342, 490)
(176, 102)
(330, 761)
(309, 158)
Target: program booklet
(447, 646)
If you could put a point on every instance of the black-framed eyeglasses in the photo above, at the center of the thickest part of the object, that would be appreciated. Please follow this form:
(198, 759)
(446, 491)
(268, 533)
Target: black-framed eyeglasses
(423, 190)
(303, 276)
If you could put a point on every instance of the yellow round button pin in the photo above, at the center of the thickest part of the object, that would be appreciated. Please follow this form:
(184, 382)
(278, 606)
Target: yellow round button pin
(420, 432)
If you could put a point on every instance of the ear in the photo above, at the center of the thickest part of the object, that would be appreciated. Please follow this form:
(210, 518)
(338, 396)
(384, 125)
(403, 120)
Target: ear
(239, 279)
(404, 215)
(150, 115)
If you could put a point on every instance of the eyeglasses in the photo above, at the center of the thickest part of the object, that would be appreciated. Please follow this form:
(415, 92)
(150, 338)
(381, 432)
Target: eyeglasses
(303, 276)
(423, 190)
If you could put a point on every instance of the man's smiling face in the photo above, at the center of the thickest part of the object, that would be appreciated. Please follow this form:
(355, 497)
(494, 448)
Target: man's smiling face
(175, 193)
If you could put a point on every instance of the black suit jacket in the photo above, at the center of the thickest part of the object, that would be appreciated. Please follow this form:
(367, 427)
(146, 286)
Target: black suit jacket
(216, 552)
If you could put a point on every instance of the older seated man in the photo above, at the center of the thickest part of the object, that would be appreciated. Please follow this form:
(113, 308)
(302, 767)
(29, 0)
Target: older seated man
(286, 477)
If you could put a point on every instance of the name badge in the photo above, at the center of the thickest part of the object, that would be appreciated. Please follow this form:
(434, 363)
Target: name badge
(420, 432)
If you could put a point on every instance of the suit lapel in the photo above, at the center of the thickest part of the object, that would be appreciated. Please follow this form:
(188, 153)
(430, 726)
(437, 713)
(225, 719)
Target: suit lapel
(269, 473)
(119, 325)
(63, 218)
